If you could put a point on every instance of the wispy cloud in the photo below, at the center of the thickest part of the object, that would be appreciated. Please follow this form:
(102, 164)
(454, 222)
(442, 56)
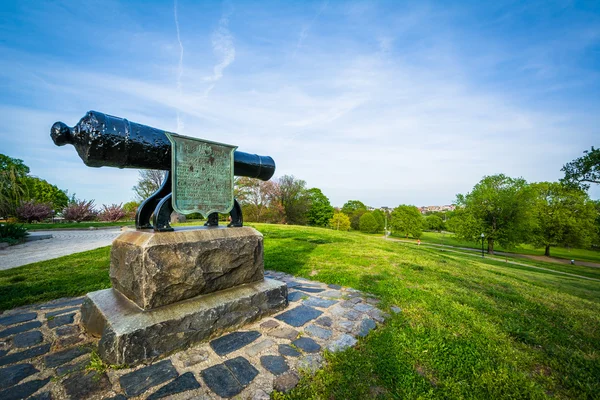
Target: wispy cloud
(306, 28)
(180, 65)
(223, 49)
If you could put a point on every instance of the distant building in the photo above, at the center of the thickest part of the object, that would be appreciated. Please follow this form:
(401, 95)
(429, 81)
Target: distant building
(428, 209)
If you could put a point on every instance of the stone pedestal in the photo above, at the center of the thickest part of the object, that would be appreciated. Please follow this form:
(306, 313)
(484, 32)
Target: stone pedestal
(173, 289)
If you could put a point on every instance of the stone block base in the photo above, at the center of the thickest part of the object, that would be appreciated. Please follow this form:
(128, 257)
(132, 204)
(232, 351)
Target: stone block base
(130, 335)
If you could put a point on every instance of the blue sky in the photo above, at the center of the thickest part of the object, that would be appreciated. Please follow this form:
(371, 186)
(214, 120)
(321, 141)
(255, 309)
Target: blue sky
(385, 102)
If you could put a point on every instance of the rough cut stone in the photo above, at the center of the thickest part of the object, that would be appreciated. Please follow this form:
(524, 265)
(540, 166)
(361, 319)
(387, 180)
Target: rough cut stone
(68, 369)
(233, 341)
(299, 316)
(346, 326)
(156, 270)
(284, 333)
(342, 343)
(324, 321)
(366, 325)
(28, 339)
(182, 383)
(23, 390)
(229, 378)
(270, 324)
(317, 331)
(14, 374)
(395, 309)
(58, 312)
(193, 356)
(332, 286)
(61, 320)
(314, 302)
(20, 328)
(310, 363)
(259, 347)
(18, 318)
(62, 303)
(332, 294)
(130, 335)
(287, 350)
(41, 396)
(67, 330)
(362, 307)
(83, 385)
(274, 364)
(68, 341)
(352, 315)
(286, 382)
(295, 296)
(261, 395)
(138, 381)
(307, 344)
(56, 359)
(24, 355)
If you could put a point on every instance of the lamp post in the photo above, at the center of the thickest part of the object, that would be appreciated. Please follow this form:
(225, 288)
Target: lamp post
(482, 236)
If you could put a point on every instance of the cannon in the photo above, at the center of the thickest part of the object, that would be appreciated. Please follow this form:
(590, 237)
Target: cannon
(103, 140)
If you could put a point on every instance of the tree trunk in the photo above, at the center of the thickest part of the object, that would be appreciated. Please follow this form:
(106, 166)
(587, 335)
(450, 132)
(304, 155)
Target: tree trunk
(547, 252)
(490, 246)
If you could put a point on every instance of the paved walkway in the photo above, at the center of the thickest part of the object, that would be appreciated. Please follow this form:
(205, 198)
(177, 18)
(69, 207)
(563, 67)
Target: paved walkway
(62, 243)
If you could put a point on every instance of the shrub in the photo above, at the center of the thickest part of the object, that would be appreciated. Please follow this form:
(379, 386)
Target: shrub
(368, 223)
(111, 213)
(34, 211)
(80, 210)
(12, 233)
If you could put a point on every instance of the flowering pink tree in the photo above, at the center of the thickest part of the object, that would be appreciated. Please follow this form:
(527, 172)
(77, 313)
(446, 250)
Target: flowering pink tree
(111, 213)
(80, 210)
(33, 211)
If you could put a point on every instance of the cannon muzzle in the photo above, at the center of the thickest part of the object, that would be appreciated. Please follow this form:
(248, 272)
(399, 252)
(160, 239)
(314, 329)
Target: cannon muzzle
(103, 140)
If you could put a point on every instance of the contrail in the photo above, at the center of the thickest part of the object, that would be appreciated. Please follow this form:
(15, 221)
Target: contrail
(180, 69)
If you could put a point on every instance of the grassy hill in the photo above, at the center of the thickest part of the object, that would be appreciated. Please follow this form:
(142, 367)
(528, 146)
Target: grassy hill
(469, 327)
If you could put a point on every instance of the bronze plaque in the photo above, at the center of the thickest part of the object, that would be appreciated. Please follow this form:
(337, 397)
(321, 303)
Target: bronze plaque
(202, 175)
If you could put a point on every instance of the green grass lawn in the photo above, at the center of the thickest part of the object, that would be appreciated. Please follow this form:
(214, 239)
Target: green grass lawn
(469, 327)
(558, 252)
(76, 225)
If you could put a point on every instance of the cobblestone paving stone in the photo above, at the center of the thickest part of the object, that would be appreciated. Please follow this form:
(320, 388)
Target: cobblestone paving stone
(270, 354)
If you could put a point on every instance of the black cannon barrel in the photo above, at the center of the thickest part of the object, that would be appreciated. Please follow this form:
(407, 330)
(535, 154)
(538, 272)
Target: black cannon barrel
(103, 140)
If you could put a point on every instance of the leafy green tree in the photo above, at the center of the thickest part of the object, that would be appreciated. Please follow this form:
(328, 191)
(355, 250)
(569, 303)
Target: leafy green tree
(12, 190)
(340, 222)
(352, 206)
(368, 223)
(583, 170)
(41, 191)
(500, 207)
(320, 210)
(434, 223)
(380, 218)
(407, 220)
(565, 216)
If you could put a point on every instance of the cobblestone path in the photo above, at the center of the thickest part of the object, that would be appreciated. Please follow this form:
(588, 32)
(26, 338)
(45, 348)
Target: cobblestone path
(46, 355)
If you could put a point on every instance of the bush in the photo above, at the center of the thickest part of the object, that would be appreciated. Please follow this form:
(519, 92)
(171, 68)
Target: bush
(340, 222)
(111, 213)
(33, 211)
(368, 223)
(12, 233)
(80, 210)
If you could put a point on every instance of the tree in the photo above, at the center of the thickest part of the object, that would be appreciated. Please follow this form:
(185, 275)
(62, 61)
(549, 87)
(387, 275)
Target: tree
(12, 173)
(340, 222)
(500, 207)
(320, 210)
(380, 218)
(80, 210)
(407, 220)
(583, 169)
(255, 197)
(291, 195)
(148, 182)
(111, 213)
(130, 208)
(352, 206)
(565, 216)
(434, 223)
(41, 191)
(368, 223)
(33, 211)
